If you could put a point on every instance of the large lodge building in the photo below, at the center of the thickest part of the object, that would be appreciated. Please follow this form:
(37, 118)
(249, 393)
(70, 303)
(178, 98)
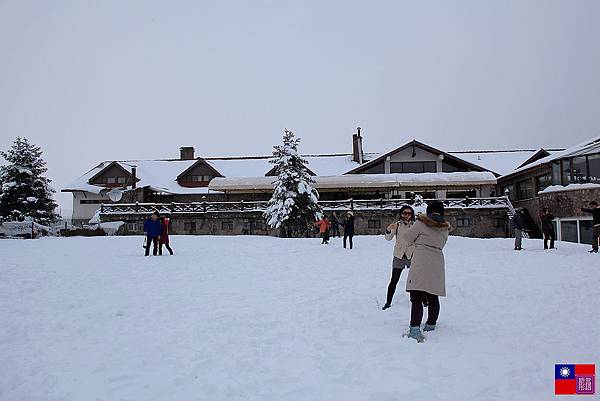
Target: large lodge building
(226, 195)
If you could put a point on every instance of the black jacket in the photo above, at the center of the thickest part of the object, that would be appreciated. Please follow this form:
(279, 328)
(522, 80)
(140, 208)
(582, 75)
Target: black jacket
(349, 225)
(518, 222)
(595, 214)
(546, 219)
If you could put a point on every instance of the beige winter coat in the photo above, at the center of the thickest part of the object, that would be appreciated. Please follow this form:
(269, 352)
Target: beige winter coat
(427, 267)
(402, 247)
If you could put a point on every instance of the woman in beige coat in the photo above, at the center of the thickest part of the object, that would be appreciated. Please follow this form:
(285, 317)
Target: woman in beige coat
(426, 279)
(403, 251)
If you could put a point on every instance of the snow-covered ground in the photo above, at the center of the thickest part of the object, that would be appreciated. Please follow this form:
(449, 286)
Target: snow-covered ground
(258, 318)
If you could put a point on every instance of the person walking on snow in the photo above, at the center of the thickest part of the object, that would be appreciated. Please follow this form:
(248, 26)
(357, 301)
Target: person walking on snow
(152, 231)
(323, 225)
(403, 251)
(165, 224)
(518, 225)
(335, 225)
(547, 227)
(348, 225)
(426, 276)
(595, 212)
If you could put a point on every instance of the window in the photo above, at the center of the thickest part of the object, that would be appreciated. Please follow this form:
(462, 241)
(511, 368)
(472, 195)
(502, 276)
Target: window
(374, 223)
(227, 225)
(111, 180)
(207, 178)
(594, 168)
(412, 167)
(131, 226)
(376, 169)
(568, 231)
(121, 180)
(543, 181)
(524, 190)
(556, 173)
(189, 226)
(585, 231)
(566, 171)
(579, 171)
(449, 168)
(461, 194)
(91, 201)
(463, 222)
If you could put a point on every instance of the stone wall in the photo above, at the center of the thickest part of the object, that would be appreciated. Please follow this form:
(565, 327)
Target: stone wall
(468, 222)
(565, 203)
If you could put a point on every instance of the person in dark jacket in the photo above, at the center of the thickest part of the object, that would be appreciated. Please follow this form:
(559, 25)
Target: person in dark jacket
(165, 224)
(595, 212)
(335, 225)
(547, 227)
(518, 225)
(152, 231)
(348, 225)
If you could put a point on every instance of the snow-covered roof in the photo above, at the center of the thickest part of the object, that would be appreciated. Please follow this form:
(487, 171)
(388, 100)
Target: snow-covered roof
(586, 147)
(501, 162)
(364, 181)
(570, 187)
(160, 175)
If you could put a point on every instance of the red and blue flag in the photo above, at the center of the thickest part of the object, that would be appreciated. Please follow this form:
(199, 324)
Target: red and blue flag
(574, 379)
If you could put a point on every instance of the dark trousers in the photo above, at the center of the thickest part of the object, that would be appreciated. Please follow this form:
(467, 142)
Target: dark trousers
(392, 285)
(151, 240)
(166, 246)
(325, 237)
(335, 230)
(416, 309)
(595, 235)
(549, 235)
(348, 236)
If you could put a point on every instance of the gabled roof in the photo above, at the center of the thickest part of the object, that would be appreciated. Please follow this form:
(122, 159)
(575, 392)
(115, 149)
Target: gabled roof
(198, 163)
(540, 154)
(588, 146)
(414, 142)
(105, 168)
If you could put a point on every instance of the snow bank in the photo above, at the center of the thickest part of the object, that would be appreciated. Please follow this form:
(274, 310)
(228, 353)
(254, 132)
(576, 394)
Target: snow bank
(570, 187)
(259, 318)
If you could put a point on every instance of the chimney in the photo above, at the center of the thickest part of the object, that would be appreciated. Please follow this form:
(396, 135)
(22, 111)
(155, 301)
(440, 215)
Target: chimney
(186, 153)
(133, 177)
(357, 151)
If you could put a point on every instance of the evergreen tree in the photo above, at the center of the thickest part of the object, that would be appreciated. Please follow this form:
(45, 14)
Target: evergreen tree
(24, 191)
(293, 205)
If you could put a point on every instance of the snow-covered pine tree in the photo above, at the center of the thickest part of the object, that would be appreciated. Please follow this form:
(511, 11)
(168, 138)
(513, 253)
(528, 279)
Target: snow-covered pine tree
(24, 191)
(293, 206)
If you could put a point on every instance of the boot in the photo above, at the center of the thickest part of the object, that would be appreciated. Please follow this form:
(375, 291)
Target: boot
(415, 332)
(387, 305)
(429, 327)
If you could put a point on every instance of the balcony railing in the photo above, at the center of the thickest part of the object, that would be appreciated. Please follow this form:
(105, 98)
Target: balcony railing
(260, 206)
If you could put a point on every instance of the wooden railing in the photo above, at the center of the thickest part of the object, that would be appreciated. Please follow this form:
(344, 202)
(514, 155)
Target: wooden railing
(241, 206)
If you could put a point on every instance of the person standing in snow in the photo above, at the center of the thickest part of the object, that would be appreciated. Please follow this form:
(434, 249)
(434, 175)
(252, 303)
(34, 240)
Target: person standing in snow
(348, 225)
(595, 212)
(165, 224)
(426, 276)
(152, 231)
(547, 227)
(323, 225)
(403, 251)
(518, 224)
(335, 225)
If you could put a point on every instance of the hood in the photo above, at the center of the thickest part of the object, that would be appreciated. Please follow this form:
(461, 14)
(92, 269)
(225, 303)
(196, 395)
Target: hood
(434, 221)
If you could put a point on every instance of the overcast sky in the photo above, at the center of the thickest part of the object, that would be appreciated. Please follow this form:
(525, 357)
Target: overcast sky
(105, 80)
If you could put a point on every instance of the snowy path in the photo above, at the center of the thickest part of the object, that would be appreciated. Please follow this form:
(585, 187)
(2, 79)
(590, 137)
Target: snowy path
(257, 318)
